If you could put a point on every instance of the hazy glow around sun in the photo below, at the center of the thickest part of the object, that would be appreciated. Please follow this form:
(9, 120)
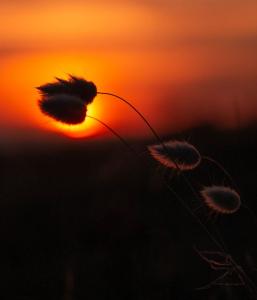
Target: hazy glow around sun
(23, 73)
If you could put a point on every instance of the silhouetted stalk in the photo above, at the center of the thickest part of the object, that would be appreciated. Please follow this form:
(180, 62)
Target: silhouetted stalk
(73, 86)
(168, 186)
(189, 210)
(239, 270)
(125, 143)
(138, 112)
(250, 284)
(213, 161)
(158, 138)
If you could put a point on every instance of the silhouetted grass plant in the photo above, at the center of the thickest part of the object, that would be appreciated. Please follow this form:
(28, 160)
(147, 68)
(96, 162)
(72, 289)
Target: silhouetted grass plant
(66, 101)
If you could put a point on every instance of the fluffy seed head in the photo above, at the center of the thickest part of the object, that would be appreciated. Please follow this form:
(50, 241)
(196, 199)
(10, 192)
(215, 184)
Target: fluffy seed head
(221, 199)
(64, 108)
(74, 86)
(176, 154)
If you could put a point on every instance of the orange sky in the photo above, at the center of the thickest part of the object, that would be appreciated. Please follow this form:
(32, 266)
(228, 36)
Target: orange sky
(181, 64)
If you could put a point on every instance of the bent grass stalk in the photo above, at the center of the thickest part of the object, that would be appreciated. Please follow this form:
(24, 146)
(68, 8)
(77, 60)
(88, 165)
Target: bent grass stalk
(126, 144)
(76, 85)
(252, 287)
(250, 284)
(138, 112)
(217, 164)
(123, 141)
(158, 138)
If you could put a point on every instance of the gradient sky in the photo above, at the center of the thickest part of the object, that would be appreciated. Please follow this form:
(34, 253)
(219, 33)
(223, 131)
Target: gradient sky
(182, 62)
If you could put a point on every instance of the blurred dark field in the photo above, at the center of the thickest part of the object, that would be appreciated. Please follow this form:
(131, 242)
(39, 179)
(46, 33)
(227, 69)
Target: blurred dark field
(89, 220)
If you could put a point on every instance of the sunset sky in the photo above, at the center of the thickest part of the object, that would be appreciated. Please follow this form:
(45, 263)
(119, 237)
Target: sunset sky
(181, 62)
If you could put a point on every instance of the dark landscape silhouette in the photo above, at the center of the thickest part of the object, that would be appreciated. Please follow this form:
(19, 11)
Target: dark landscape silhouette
(88, 220)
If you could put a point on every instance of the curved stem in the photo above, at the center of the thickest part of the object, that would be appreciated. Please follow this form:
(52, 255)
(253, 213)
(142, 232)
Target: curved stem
(252, 289)
(177, 166)
(213, 161)
(158, 138)
(137, 111)
(183, 176)
(168, 186)
(124, 142)
(189, 210)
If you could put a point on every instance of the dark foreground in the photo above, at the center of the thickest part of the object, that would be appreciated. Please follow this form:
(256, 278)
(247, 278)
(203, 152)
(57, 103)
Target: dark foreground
(91, 221)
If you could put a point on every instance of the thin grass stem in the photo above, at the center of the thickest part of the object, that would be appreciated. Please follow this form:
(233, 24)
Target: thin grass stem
(185, 179)
(123, 141)
(137, 111)
(217, 164)
(158, 138)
